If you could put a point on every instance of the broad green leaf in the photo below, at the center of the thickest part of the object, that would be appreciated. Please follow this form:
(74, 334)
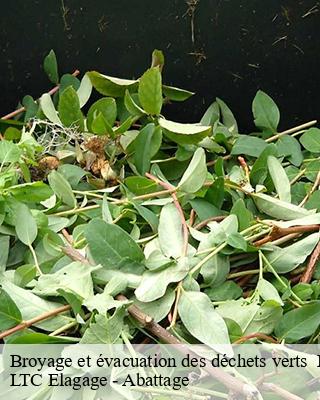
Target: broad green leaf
(62, 188)
(4, 252)
(32, 192)
(149, 216)
(154, 283)
(9, 312)
(75, 277)
(9, 152)
(288, 258)
(102, 302)
(212, 115)
(259, 169)
(203, 322)
(157, 59)
(32, 306)
(299, 323)
(227, 117)
(100, 126)
(109, 85)
(106, 213)
(39, 338)
(244, 215)
(69, 108)
(268, 292)
(24, 274)
(48, 109)
(26, 226)
(105, 329)
(132, 106)
(158, 309)
(150, 91)
(68, 80)
(84, 91)
(215, 194)
(277, 208)
(266, 113)
(184, 133)
(216, 270)
(314, 201)
(310, 140)
(51, 67)
(290, 148)
(196, 173)
(249, 146)
(229, 290)
(308, 220)
(111, 246)
(176, 94)
(108, 109)
(146, 145)
(140, 185)
(279, 178)
(239, 311)
(170, 231)
(265, 319)
(312, 170)
(31, 106)
(237, 241)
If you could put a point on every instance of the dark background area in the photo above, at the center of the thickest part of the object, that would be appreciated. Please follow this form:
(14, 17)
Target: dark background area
(224, 48)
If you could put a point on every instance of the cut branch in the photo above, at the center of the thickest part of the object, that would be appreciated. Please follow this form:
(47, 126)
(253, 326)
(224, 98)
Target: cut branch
(307, 275)
(33, 321)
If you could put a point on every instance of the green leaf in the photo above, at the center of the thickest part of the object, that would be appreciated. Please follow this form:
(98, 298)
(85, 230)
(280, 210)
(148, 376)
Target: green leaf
(110, 245)
(229, 290)
(107, 107)
(244, 216)
(140, 185)
(310, 140)
(227, 117)
(249, 146)
(277, 208)
(150, 91)
(212, 115)
(268, 292)
(312, 170)
(196, 173)
(84, 91)
(184, 133)
(203, 322)
(48, 109)
(215, 194)
(105, 329)
(132, 106)
(170, 231)
(32, 306)
(4, 252)
(216, 270)
(290, 148)
(259, 169)
(176, 94)
(158, 309)
(24, 274)
(266, 113)
(100, 126)
(33, 192)
(299, 323)
(69, 108)
(9, 152)
(51, 67)
(26, 226)
(9, 312)
(62, 188)
(148, 216)
(157, 59)
(109, 85)
(279, 178)
(74, 277)
(237, 241)
(146, 145)
(154, 283)
(288, 258)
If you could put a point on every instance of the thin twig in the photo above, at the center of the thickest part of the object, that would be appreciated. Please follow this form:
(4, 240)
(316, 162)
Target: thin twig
(291, 130)
(22, 109)
(308, 273)
(33, 321)
(256, 335)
